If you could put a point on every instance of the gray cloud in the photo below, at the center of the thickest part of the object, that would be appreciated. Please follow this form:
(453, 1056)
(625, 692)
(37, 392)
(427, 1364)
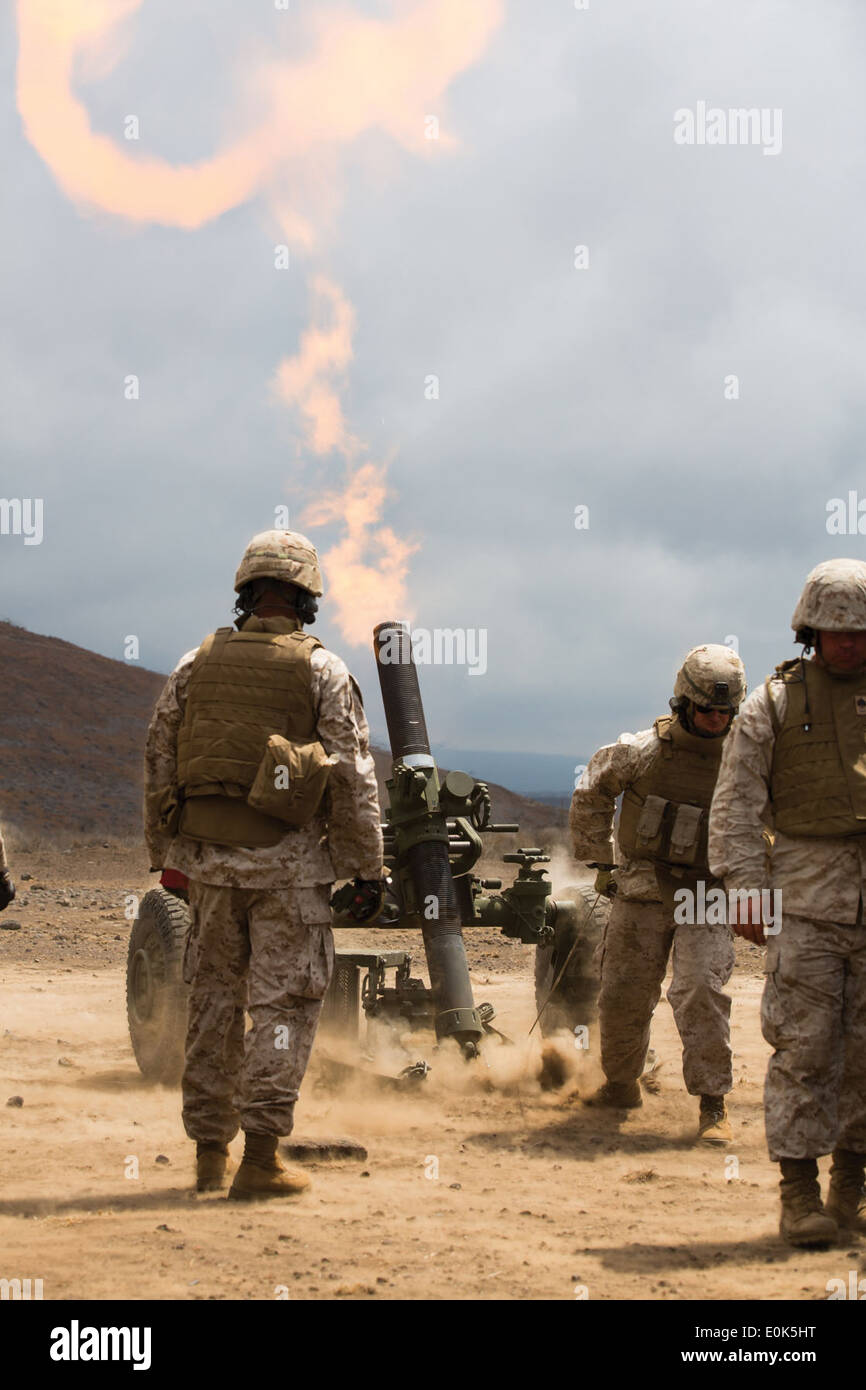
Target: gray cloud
(558, 386)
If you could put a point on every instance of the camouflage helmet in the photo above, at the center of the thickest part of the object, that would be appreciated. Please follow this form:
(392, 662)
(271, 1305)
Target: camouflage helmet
(833, 600)
(284, 555)
(712, 675)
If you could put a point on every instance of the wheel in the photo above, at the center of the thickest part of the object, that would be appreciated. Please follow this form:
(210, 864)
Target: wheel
(156, 995)
(576, 998)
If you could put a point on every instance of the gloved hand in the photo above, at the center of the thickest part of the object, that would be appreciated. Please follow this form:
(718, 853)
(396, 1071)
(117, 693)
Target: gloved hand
(605, 883)
(362, 899)
(7, 889)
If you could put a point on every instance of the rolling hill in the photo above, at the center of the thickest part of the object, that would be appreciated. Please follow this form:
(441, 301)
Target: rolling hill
(71, 739)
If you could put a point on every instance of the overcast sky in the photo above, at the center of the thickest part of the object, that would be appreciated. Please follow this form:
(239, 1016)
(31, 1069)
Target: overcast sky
(603, 386)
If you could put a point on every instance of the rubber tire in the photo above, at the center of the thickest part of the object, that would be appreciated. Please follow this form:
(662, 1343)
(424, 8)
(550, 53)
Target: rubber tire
(156, 996)
(576, 999)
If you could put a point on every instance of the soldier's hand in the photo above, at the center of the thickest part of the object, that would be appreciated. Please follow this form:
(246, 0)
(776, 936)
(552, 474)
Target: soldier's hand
(745, 920)
(605, 883)
(362, 899)
(7, 889)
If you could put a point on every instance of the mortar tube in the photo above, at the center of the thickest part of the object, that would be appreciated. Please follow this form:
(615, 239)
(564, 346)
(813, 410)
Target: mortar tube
(428, 864)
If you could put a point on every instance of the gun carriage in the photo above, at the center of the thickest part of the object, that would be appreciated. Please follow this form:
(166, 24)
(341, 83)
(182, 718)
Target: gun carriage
(432, 840)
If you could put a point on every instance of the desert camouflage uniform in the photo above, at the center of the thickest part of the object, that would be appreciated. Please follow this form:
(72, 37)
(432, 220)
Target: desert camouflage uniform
(813, 1011)
(260, 934)
(640, 935)
(277, 944)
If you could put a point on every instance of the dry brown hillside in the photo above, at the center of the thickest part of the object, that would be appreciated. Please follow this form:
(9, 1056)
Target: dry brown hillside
(71, 739)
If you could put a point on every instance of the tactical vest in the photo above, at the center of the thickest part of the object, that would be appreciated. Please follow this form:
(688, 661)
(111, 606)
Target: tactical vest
(243, 687)
(664, 815)
(818, 774)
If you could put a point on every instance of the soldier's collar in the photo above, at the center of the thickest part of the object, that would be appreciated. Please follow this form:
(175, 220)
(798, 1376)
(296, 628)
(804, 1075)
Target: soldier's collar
(254, 624)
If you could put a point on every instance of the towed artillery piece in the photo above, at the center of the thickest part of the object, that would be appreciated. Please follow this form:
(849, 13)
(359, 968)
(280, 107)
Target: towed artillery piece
(432, 841)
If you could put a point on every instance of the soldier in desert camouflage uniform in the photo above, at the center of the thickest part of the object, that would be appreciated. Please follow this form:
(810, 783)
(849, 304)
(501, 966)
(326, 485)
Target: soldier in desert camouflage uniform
(666, 776)
(7, 887)
(235, 717)
(796, 764)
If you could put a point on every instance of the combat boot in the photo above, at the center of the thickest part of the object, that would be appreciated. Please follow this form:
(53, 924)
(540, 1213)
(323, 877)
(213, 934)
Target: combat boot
(210, 1167)
(261, 1173)
(846, 1200)
(804, 1221)
(714, 1127)
(620, 1095)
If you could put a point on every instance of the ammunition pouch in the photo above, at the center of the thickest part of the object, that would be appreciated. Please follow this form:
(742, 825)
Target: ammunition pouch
(291, 780)
(287, 793)
(650, 828)
(686, 828)
(663, 831)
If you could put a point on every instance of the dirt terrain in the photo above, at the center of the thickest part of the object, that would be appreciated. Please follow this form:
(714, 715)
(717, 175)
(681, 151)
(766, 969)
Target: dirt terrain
(477, 1185)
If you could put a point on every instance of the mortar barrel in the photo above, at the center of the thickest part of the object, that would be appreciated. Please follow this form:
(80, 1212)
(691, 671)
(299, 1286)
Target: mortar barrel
(401, 693)
(427, 862)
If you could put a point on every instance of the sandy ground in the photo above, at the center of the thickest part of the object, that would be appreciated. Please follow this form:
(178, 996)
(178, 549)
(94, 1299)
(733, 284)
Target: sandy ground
(478, 1185)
